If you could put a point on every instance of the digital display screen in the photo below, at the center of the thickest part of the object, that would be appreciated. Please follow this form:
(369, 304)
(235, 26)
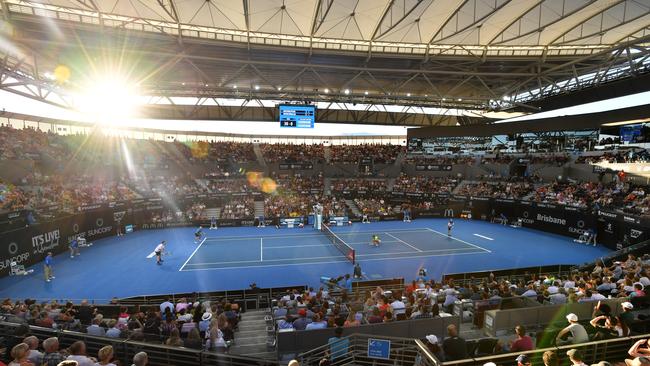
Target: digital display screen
(297, 116)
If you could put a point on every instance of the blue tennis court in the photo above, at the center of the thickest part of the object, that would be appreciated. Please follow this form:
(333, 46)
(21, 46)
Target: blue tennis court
(233, 258)
(311, 247)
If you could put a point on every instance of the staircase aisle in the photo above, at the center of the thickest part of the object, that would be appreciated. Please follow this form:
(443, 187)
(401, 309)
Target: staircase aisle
(213, 211)
(328, 154)
(251, 337)
(461, 185)
(259, 155)
(259, 208)
(353, 207)
(327, 185)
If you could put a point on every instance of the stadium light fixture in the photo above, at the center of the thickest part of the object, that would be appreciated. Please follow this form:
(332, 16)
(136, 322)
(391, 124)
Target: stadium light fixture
(346, 91)
(257, 87)
(326, 91)
(408, 94)
(365, 92)
(234, 86)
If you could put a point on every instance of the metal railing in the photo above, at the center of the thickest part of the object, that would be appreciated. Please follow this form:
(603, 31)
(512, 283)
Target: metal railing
(124, 350)
(593, 352)
(512, 274)
(402, 351)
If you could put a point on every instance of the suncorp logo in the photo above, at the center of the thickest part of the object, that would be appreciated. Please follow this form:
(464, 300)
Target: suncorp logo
(46, 242)
(551, 219)
(18, 259)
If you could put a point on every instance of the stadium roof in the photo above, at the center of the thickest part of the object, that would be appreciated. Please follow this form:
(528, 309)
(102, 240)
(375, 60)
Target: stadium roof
(478, 55)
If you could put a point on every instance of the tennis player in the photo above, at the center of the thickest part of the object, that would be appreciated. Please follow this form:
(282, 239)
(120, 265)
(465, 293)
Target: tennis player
(198, 234)
(450, 225)
(375, 240)
(213, 223)
(74, 247)
(407, 214)
(47, 267)
(159, 252)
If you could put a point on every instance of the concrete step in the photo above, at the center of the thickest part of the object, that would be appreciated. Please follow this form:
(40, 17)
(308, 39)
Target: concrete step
(258, 154)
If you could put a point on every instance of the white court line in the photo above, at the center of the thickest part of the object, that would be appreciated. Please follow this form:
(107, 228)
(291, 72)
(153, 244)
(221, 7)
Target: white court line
(323, 245)
(191, 255)
(460, 240)
(249, 237)
(261, 250)
(484, 237)
(329, 262)
(403, 242)
(329, 257)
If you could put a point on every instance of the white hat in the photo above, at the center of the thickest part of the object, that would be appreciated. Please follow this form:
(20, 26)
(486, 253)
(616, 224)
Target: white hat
(627, 305)
(432, 339)
(572, 317)
(206, 316)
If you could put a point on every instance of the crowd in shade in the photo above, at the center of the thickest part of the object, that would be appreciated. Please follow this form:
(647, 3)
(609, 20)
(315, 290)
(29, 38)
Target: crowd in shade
(238, 208)
(352, 154)
(509, 190)
(456, 159)
(615, 195)
(420, 184)
(201, 325)
(68, 172)
(211, 325)
(299, 182)
(547, 159)
(614, 157)
(220, 151)
(293, 153)
(294, 205)
(376, 186)
(376, 206)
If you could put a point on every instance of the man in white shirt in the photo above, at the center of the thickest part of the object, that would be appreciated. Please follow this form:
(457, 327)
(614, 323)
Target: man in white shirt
(578, 334)
(569, 283)
(159, 251)
(397, 305)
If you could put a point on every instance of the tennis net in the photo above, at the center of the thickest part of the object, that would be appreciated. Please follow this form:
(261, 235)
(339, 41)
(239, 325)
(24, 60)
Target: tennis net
(341, 245)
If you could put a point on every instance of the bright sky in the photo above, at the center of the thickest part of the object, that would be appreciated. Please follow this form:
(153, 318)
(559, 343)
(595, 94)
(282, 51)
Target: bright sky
(631, 100)
(18, 104)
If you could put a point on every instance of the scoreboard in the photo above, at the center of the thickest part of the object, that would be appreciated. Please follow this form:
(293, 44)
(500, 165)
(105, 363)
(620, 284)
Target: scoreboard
(298, 116)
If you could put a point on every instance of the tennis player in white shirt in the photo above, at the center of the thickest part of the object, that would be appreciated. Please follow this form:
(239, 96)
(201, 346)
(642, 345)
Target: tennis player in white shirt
(159, 251)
